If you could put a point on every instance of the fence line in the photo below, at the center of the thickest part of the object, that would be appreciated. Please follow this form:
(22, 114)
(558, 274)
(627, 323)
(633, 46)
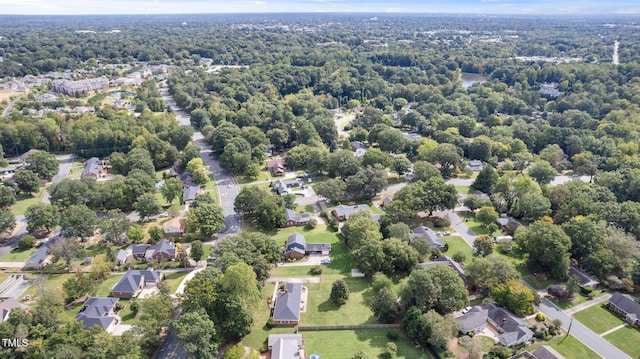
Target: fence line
(347, 327)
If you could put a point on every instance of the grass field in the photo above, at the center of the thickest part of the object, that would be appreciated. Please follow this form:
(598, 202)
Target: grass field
(126, 314)
(464, 189)
(598, 319)
(173, 279)
(263, 176)
(17, 255)
(316, 235)
(457, 244)
(76, 170)
(23, 201)
(340, 344)
(570, 348)
(104, 289)
(627, 339)
(51, 282)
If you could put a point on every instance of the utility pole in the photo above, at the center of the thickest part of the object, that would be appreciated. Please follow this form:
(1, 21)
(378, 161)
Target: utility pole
(568, 330)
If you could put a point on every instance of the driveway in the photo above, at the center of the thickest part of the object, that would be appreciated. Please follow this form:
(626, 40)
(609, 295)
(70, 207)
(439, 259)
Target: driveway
(63, 172)
(311, 261)
(581, 332)
(12, 242)
(461, 227)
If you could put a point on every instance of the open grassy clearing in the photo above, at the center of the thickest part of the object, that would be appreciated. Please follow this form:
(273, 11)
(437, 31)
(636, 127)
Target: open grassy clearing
(464, 189)
(76, 170)
(598, 319)
(457, 244)
(627, 339)
(316, 235)
(262, 176)
(104, 288)
(23, 201)
(50, 282)
(173, 279)
(340, 344)
(17, 255)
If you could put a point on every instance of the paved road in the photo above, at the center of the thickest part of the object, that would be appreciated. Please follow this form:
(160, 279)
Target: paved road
(63, 172)
(461, 227)
(7, 111)
(170, 347)
(227, 187)
(12, 242)
(581, 332)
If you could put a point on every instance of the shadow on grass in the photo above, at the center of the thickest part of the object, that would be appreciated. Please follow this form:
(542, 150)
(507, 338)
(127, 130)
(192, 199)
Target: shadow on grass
(328, 306)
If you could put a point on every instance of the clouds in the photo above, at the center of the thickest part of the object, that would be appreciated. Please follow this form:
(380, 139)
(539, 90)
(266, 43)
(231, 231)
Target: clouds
(58, 7)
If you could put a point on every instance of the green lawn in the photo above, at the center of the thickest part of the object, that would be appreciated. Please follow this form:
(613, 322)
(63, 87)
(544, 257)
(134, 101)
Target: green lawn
(206, 248)
(570, 348)
(598, 319)
(17, 255)
(125, 314)
(457, 244)
(627, 339)
(321, 311)
(340, 344)
(578, 299)
(212, 187)
(104, 288)
(23, 201)
(486, 343)
(51, 282)
(263, 176)
(76, 170)
(316, 235)
(173, 279)
(464, 189)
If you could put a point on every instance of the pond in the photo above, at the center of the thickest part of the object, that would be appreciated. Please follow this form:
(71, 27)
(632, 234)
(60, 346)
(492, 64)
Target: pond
(468, 79)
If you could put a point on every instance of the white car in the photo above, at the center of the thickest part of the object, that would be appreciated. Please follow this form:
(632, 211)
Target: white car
(447, 233)
(466, 310)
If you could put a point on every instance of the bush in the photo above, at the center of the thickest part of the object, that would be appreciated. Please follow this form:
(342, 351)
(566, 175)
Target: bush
(270, 323)
(393, 335)
(586, 289)
(459, 257)
(442, 222)
(26, 242)
(311, 224)
(540, 317)
(316, 270)
(134, 306)
(552, 330)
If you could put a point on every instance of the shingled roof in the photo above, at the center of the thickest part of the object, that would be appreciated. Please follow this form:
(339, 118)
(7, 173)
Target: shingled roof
(288, 303)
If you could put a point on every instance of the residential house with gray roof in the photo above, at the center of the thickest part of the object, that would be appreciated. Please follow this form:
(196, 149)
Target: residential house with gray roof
(343, 212)
(135, 281)
(626, 307)
(429, 234)
(510, 329)
(7, 305)
(584, 279)
(98, 311)
(287, 306)
(295, 219)
(297, 247)
(190, 192)
(285, 346)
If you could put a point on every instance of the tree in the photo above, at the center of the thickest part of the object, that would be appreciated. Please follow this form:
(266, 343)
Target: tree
(140, 159)
(367, 182)
(147, 206)
(26, 242)
(114, 227)
(385, 305)
(135, 233)
(474, 202)
(240, 281)
(585, 163)
(482, 246)
(374, 156)
(400, 254)
(78, 221)
(488, 272)
(443, 328)
(198, 171)
(206, 219)
(256, 249)
(196, 251)
(359, 229)
(27, 181)
(101, 267)
(371, 258)
(487, 216)
(6, 197)
(7, 221)
(438, 288)
(69, 192)
(270, 213)
(171, 189)
(548, 247)
(232, 318)
(399, 230)
(431, 195)
(67, 249)
(197, 334)
(480, 149)
(333, 189)
(515, 296)
(339, 292)
(342, 163)
(202, 291)
(416, 326)
(422, 171)
(43, 164)
(533, 205)
(360, 355)
(486, 180)
(587, 236)
(572, 286)
(542, 172)
(401, 165)
(447, 156)
(235, 351)
(391, 140)
(42, 217)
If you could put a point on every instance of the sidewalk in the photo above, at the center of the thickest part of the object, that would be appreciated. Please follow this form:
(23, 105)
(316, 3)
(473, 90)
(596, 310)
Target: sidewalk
(587, 304)
(12, 264)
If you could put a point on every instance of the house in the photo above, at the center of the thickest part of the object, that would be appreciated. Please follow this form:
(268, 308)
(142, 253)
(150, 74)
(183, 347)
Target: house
(359, 148)
(93, 168)
(189, 193)
(386, 201)
(287, 306)
(73, 88)
(584, 279)
(411, 136)
(429, 234)
(98, 311)
(284, 187)
(7, 305)
(626, 307)
(174, 227)
(40, 258)
(297, 247)
(543, 352)
(164, 251)
(295, 219)
(285, 346)
(134, 281)
(510, 329)
(508, 224)
(123, 256)
(343, 212)
(277, 167)
(476, 165)
(447, 261)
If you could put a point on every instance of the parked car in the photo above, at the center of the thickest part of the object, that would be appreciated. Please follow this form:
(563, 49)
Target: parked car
(466, 310)
(447, 233)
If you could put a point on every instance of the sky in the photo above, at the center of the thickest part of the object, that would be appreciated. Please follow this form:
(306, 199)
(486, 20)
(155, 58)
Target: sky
(104, 7)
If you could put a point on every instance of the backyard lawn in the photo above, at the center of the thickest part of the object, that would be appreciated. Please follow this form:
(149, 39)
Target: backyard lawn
(51, 282)
(17, 255)
(104, 288)
(598, 319)
(321, 311)
(316, 235)
(125, 314)
(457, 244)
(263, 176)
(340, 344)
(627, 340)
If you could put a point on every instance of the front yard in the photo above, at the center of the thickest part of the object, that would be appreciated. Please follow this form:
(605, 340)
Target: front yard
(570, 348)
(457, 244)
(173, 279)
(627, 339)
(17, 255)
(598, 319)
(23, 201)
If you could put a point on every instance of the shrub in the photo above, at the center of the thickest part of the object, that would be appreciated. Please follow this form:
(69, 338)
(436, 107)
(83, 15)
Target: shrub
(558, 291)
(339, 292)
(459, 257)
(586, 289)
(442, 222)
(393, 335)
(557, 323)
(540, 317)
(311, 224)
(552, 330)
(134, 306)
(316, 270)
(270, 323)
(26, 242)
